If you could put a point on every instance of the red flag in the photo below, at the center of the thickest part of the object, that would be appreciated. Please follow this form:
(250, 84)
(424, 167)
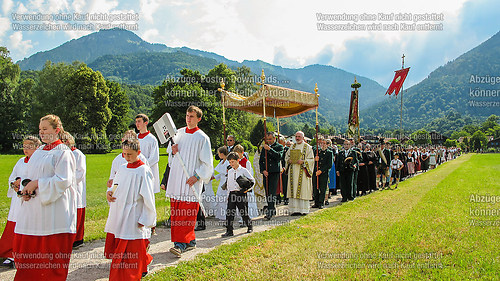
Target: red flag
(397, 82)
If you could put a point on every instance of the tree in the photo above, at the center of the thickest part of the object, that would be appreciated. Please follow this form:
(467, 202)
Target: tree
(421, 137)
(309, 132)
(215, 76)
(86, 110)
(257, 134)
(490, 126)
(470, 128)
(450, 143)
(175, 95)
(50, 89)
(9, 110)
(478, 140)
(120, 106)
(245, 81)
(457, 135)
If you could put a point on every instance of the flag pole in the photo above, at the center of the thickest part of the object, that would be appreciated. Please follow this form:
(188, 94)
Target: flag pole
(402, 91)
(221, 89)
(317, 129)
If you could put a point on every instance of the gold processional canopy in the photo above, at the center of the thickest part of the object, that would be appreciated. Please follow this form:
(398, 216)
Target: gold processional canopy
(279, 102)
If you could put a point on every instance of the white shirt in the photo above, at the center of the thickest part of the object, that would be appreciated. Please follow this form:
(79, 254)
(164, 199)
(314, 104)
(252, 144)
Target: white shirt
(19, 170)
(135, 203)
(196, 153)
(151, 150)
(232, 175)
(53, 209)
(396, 164)
(80, 174)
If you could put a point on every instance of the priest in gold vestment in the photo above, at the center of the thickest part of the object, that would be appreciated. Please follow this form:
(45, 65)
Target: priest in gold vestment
(300, 161)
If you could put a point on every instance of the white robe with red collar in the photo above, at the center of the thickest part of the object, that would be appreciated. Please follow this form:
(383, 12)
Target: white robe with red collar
(19, 170)
(53, 209)
(151, 150)
(196, 153)
(135, 203)
(81, 182)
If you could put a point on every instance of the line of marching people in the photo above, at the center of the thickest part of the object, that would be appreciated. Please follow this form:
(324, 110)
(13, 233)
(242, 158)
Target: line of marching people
(365, 168)
(48, 190)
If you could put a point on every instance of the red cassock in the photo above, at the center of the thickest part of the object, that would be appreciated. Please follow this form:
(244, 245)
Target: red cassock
(42, 258)
(183, 220)
(7, 240)
(129, 257)
(80, 224)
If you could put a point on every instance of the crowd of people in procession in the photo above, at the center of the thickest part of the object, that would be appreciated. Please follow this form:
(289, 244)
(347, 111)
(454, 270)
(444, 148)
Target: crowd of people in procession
(48, 190)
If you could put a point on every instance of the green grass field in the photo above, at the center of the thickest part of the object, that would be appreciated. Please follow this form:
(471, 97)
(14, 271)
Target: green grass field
(427, 229)
(96, 213)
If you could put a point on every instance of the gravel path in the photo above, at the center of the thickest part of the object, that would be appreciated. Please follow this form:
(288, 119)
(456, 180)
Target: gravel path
(88, 262)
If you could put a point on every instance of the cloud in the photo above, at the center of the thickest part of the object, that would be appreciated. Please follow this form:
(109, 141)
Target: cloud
(285, 32)
(150, 35)
(17, 43)
(6, 6)
(377, 54)
(4, 26)
(148, 8)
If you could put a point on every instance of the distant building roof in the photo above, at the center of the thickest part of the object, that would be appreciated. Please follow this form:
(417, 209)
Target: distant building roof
(494, 143)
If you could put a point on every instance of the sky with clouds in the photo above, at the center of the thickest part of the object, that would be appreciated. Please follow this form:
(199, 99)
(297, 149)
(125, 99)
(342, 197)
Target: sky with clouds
(281, 32)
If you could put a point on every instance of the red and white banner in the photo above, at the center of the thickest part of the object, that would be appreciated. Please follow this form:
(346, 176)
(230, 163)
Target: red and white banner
(397, 82)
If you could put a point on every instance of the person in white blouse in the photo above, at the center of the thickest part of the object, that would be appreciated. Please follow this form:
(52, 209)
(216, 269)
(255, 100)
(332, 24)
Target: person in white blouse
(221, 195)
(237, 198)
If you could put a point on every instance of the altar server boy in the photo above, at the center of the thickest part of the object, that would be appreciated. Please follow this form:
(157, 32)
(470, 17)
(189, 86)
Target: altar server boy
(81, 187)
(120, 159)
(30, 144)
(132, 213)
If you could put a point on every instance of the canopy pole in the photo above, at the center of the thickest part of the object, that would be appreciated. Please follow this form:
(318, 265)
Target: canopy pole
(263, 79)
(278, 120)
(317, 129)
(221, 89)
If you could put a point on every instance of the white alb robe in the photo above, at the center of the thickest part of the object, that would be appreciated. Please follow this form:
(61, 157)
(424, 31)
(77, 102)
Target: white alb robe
(253, 211)
(151, 150)
(196, 153)
(81, 182)
(208, 198)
(19, 170)
(53, 209)
(259, 189)
(221, 195)
(135, 203)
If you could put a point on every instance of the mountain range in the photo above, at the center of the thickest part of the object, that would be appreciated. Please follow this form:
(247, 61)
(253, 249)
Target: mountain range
(123, 56)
